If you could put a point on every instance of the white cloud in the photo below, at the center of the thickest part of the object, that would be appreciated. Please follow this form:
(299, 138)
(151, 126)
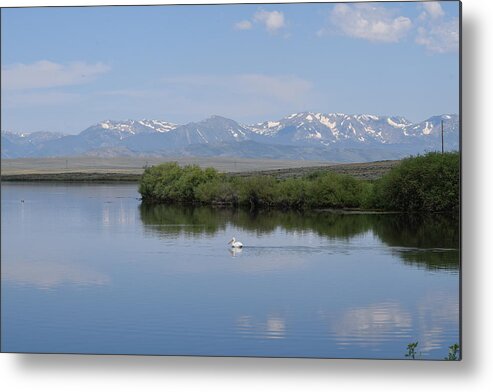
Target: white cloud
(46, 74)
(371, 22)
(286, 88)
(433, 9)
(240, 96)
(442, 37)
(272, 20)
(436, 32)
(243, 25)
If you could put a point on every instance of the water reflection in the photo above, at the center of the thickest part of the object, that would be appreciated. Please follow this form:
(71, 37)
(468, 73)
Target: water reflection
(49, 274)
(274, 327)
(117, 212)
(429, 242)
(434, 311)
(368, 326)
(105, 274)
(235, 252)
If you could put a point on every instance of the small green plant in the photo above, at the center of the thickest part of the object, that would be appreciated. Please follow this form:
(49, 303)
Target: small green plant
(453, 353)
(411, 350)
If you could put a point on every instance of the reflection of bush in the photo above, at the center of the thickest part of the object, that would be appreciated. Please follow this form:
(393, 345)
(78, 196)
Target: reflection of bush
(432, 260)
(419, 231)
(437, 232)
(171, 219)
(406, 231)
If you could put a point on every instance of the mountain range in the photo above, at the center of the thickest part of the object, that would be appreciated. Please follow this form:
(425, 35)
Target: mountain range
(333, 137)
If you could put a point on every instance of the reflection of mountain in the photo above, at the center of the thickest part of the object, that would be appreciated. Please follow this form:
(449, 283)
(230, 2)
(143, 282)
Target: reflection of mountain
(427, 241)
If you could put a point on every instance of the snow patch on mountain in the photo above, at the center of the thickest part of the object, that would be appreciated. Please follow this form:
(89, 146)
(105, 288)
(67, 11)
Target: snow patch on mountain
(428, 128)
(119, 126)
(325, 120)
(394, 124)
(159, 126)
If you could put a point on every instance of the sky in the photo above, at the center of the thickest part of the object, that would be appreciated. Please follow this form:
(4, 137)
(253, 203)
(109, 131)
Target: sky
(64, 69)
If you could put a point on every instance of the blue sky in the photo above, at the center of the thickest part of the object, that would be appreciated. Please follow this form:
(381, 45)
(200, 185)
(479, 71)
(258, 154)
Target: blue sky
(64, 69)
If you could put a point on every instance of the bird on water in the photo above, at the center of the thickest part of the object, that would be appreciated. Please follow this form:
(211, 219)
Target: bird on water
(235, 244)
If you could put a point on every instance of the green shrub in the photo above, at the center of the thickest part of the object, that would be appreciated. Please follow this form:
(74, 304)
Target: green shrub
(425, 183)
(428, 183)
(257, 191)
(171, 183)
(291, 193)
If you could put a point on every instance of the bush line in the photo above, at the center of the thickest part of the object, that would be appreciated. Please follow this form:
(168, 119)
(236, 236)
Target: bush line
(423, 183)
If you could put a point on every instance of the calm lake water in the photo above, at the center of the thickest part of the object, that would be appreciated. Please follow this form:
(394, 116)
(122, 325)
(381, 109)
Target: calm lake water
(88, 269)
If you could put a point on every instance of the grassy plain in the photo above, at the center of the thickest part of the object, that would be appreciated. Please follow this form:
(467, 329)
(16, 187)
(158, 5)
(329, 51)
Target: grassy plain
(88, 169)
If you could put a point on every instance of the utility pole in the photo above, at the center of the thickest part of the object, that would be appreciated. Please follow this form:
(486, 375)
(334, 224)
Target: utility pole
(442, 137)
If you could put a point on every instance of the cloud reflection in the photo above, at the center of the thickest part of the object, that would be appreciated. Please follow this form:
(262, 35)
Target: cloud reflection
(370, 325)
(47, 275)
(432, 324)
(435, 314)
(274, 327)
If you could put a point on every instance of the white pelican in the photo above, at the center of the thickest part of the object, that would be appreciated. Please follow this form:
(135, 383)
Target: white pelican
(235, 244)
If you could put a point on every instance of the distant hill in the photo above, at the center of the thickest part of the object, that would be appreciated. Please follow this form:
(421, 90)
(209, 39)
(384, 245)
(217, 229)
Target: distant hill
(335, 137)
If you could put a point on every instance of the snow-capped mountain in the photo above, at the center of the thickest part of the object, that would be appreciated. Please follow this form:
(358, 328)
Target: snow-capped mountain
(124, 129)
(339, 128)
(31, 138)
(18, 144)
(432, 126)
(307, 135)
(213, 130)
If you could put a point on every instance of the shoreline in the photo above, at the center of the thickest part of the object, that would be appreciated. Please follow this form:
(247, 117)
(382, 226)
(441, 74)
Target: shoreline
(73, 177)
